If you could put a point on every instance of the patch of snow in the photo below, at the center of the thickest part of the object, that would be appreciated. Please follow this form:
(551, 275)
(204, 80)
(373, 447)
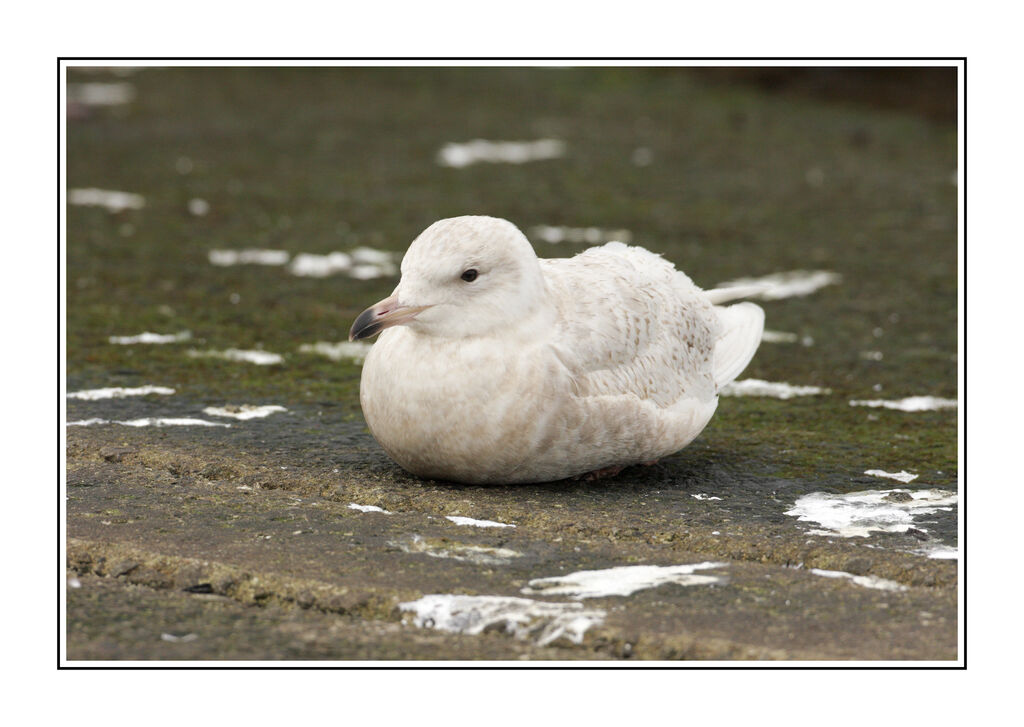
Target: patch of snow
(901, 476)
(857, 514)
(320, 266)
(250, 256)
(881, 584)
(512, 152)
(354, 351)
(367, 508)
(479, 554)
(911, 403)
(118, 392)
(589, 235)
(777, 390)
(244, 411)
(112, 200)
(147, 337)
(150, 422)
(521, 617)
(370, 256)
(175, 639)
(372, 272)
(768, 336)
(363, 263)
(458, 520)
(794, 283)
(622, 581)
(260, 358)
(940, 552)
(198, 207)
(101, 94)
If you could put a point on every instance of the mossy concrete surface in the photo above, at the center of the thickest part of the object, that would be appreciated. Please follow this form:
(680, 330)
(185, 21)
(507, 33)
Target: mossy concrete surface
(269, 533)
(239, 543)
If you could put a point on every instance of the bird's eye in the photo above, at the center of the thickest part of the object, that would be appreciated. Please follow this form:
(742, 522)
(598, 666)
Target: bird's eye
(470, 275)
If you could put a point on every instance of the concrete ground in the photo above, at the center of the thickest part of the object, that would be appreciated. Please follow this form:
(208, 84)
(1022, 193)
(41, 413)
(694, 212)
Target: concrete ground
(240, 542)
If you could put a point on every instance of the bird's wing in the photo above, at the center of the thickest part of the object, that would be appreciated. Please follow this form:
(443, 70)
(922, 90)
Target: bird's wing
(630, 323)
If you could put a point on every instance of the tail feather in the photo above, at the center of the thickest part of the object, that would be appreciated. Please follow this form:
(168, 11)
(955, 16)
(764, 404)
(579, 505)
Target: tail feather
(742, 326)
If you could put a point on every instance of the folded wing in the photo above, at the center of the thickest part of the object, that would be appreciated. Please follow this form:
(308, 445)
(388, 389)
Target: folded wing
(630, 323)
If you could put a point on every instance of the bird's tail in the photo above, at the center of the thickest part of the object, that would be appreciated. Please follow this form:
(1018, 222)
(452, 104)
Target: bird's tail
(742, 326)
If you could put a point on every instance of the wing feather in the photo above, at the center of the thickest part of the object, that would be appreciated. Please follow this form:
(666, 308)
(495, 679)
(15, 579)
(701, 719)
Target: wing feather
(630, 323)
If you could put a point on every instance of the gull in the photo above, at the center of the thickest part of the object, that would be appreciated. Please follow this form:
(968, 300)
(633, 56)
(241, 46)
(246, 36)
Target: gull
(495, 366)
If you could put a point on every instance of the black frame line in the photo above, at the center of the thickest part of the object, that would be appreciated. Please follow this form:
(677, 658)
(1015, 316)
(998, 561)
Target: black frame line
(962, 396)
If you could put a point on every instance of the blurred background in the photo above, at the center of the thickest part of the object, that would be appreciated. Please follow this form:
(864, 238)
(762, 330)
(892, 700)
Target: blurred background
(260, 209)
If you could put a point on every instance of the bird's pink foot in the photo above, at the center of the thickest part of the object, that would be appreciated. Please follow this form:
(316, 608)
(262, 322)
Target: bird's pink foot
(601, 473)
(650, 463)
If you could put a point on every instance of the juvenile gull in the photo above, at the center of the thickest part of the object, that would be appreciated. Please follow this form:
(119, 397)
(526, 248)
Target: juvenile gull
(494, 366)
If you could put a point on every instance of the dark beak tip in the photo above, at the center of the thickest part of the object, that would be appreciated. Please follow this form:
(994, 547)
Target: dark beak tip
(363, 326)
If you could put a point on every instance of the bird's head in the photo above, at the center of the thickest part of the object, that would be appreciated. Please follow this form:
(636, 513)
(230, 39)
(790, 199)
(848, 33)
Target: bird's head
(462, 277)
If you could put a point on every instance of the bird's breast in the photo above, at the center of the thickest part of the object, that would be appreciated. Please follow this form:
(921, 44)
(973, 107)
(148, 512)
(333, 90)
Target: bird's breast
(459, 410)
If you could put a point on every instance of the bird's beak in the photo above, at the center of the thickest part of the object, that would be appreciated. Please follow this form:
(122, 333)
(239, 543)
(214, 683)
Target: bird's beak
(389, 312)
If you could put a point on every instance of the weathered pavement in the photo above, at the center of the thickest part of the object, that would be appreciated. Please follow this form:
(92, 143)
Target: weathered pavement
(190, 542)
(220, 552)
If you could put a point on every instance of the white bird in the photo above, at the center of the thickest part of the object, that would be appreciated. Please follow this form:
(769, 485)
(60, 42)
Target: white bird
(499, 367)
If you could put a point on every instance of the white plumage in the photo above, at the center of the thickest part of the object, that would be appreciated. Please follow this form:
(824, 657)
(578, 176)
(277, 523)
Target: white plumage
(496, 366)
